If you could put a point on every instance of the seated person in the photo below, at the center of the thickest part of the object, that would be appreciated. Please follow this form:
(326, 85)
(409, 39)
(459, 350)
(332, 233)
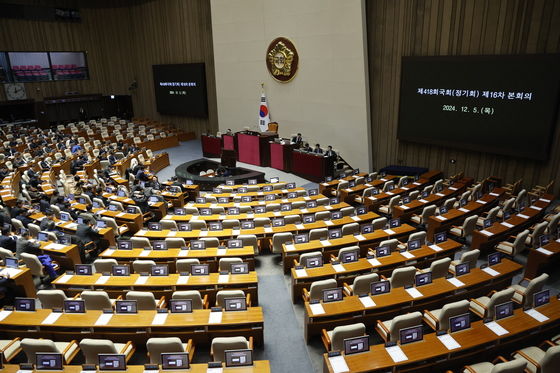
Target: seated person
(297, 139)
(25, 245)
(318, 149)
(307, 148)
(47, 224)
(8, 239)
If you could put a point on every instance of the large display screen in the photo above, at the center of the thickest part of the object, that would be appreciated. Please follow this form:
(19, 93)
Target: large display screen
(181, 89)
(496, 104)
(42, 66)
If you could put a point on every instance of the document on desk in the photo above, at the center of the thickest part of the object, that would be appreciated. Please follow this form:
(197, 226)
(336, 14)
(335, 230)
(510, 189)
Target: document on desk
(300, 226)
(456, 282)
(317, 309)
(440, 217)
(194, 217)
(348, 190)
(171, 233)
(215, 318)
(301, 272)
(496, 328)
(544, 200)
(523, 216)
(396, 354)
(481, 201)
(285, 200)
(145, 253)
(452, 188)
(435, 247)
(71, 225)
(338, 268)
(121, 214)
(4, 314)
(141, 280)
(440, 194)
(449, 342)
(536, 315)
(223, 279)
(545, 251)
(64, 279)
(277, 213)
(104, 319)
(464, 209)
(389, 231)
(108, 252)
(407, 255)
(183, 253)
(235, 232)
(360, 237)
(374, 262)
(325, 242)
(267, 229)
(102, 280)
(507, 225)
(486, 233)
(221, 252)
(491, 271)
(182, 280)
(328, 222)
(356, 218)
(290, 247)
(250, 215)
(221, 217)
(405, 207)
(367, 302)
(55, 246)
(328, 207)
(10, 272)
(536, 208)
(51, 319)
(389, 193)
(423, 201)
(215, 370)
(338, 364)
(414, 293)
(306, 198)
(159, 319)
(141, 232)
(203, 233)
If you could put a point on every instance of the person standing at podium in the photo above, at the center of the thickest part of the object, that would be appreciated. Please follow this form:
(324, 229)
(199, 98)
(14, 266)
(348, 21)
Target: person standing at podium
(330, 152)
(318, 149)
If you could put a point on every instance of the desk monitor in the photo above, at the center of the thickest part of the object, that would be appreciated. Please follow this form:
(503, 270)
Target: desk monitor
(544, 239)
(390, 187)
(159, 245)
(270, 197)
(112, 362)
(234, 244)
(336, 215)
(189, 182)
(242, 190)
(267, 188)
(11, 262)
(310, 218)
(126, 306)
(154, 226)
(109, 190)
(83, 269)
(248, 224)
(65, 240)
(24, 304)
(199, 269)
(374, 191)
(184, 227)
(112, 207)
(74, 306)
(290, 185)
(313, 192)
(350, 256)
(351, 184)
(274, 180)
(328, 179)
(278, 222)
(239, 268)
(459, 322)
(356, 345)
(394, 223)
(409, 335)
(335, 233)
(180, 211)
(504, 310)
(301, 238)
(101, 224)
(361, 210)
(130, 210)
(64, 216)
(238, 358)
(285, 207)
(235, 304)
(246, 199)
(313, 261)
(175, 360)
(440, 237)
(42, 236)
(366, 228)
(332, 295)
(380, 287)
(233, 211)
(180, 305)
(462, 202)
(414, 244)
(160, 270)
(175, 189)
(540, 298)
(80, 220)
(405, 200)
(205, 211)
(200, 199)
(121, 193)
(124, 245)
(494, 258)
(462, 269)
(48, 361)
(405, 181)
(292, 195)
(222, 200)
(198, 245)
(70, 197)
(252, 181)
(443, 210)
(355, 171)
(230, 182)
(95, 205)
(334, 201)
(82, 200)
(423, 279)
(382, 251)
(487, 223)
(121, 270)
(311, 204)
(153, 199)
(259, 209)
(218, 190)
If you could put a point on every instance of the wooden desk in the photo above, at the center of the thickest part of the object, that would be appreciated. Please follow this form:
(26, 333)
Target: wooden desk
(444, 222)
(290, 253)
(312, 166)
(422, 258)
(259, 185)
(22, 278)
(161, 143)
(256, 203)
(405, 211)
(10, 188)
(65, 255)
(258, 195)
(177, 199)
(398, 301)
(499, 231)
(477, 344)
(139, 326)
(158, 162)
(327, 186)
(161, 285)
(538, 261)
(374, 202)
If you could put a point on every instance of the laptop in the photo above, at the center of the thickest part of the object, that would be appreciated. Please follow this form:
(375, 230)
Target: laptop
(235, 304)
(124, 245)
(175, 360)
(356, 345)
(121, 270)
(48, 361)
(380, 287)
(74, 306)
(494, 258)
(410, 335)
(126, 306)
(199, 269)
(423, 279)
(350, 256)
(160, 270)
(503, 310)
(332, 295)
(238, 358)
(24, 304)
(462, 269)
(314, 261)
(112, 362)
(180, 305)
(541, 298)
(239, 268)
(459, 322)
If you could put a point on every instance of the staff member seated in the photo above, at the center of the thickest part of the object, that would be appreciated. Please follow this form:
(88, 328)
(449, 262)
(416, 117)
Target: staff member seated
(307, 148)
(318, 149)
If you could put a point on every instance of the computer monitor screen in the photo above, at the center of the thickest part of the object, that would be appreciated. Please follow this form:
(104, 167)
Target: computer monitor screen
(380, 287)
(313, 192)
(121, 270)
(394, 223)
(80, 220)
(311, 204)
(48, 361)
(159, 245)
(423, 279)
(124, 245)
(462, 269)
(222, 200)
(235, 304)
(64, 240)
(267, 188)
(443, 210)
(504, 310)
(234, 244)
(95, 204)
(328, 179)
(541, 297)
(405, 200)
(269, 197)
(544, 239)
(246, 199)
(112, 362)
(101, 224)
(24, 304)
(230, 182)
(278, 222)
(335, 233)
(160, 270)
(11, 262)
(180, 211)
(205, 211)
(239, 268)
(233, 211)
(301, 238)
(487, 223)
(494, 258)
(83, 269)
(414, 244)
(184, 227)
(238, 358)
(285, 207)
(290, 185)
(154, 226)
(274, 180)
(314, 261)
(459, 322)
(74, 306)
(200, 200)
(334, 201)
(292, 195)
(259, 209)
(174, 360)
(199, 269)
(351, 184)
(332, 295)
(113, 207)
(215, 226)
(42, 236)
(153, 199)
(350, 256)
(121, 193)
(440, 237)
(189, 182)
(198, 245)
(180, 305)
(409, 335)
(64, 216)
(336, 215)
(126, 306)
(217, 190)
(382, 251)
(356, 345)
(366, 228)
(248, 224)
(131, 210)
(309, 218)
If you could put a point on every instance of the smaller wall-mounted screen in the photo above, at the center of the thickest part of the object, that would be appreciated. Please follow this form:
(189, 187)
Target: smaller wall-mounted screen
(68, 65)
(181, 89)
(42, 66)
(30, 66)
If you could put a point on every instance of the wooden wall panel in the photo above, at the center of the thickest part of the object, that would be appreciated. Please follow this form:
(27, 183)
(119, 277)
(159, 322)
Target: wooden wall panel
(397, 28)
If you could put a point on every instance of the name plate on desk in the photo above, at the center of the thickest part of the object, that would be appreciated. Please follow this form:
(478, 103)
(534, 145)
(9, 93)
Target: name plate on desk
(435, 247)
(300, 226)
(507, 225)
(360, 237)
(464, 209)
(456, 282)
(159, 319)
(440, 194)
(301, 272)
(440, 217)
(325, 242)
(221, 252)
(407, 255)
(54, 246)
(544, 200)
(523, 216)
(171, 233)
(183, 280)
(268, 230)
(405, 207)
(536, 208)
(4, 314)
(290, 247)
(104, 319)
(545, 251)
(374, 262)
(481, 201)
(317, 309)
(356, 218)
(494, 194)
(452, 188)
(328, 222)
(423, 201)
(389, 231)
(328, 207)
(222, 279)
(203, 233)
(338, 364)
(141, 232)
(235, 232)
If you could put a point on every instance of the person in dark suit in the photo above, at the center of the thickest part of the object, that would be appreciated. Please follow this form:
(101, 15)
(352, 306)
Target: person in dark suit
(318, 149)
(307, 148)
(86, 233)
(8, 240)
(112, 159)
(330, 152)
(297, 139)
(25, 245)
(24, 218)
(47, 224)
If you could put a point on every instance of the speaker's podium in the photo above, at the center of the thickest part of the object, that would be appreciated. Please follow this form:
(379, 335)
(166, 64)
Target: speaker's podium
(253, 147)
(228, 158)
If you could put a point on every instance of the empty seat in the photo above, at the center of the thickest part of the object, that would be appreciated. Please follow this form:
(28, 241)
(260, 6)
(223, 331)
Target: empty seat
(224, 294)
(197, 301)
(439, 268)
(318, 234)
(92, 347)
(524, 294)
(225, 263)
(423, 217)
(333, 340)
(389, 330)
(157, 346)
(97, 300)
(145, 300)
(31, 346)
(104, 265)
(504, 366)
(402, 277)
(140, 266)
(280, 238)
(361, 284)
(438, 319)
(221, 344)
(175, 242)
(515, 247)
(388, 209)
(539, 360)
(316, 289)
(52, 298)
(484, 307)
(184, 265)
(470, 257)
(466, 229)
